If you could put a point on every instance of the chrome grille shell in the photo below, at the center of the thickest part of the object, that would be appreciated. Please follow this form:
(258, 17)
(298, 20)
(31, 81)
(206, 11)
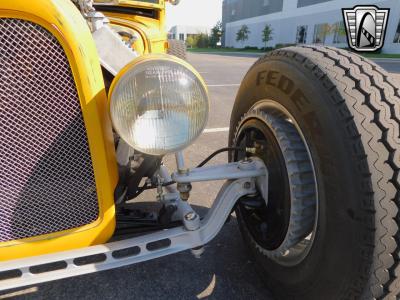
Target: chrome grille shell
(47, 182)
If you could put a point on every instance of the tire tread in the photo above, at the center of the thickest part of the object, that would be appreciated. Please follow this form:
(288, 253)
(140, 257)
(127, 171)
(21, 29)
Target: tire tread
(370, 111)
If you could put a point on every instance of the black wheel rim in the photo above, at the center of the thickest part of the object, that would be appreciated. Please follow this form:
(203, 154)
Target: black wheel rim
(273, 225)
(267, 224)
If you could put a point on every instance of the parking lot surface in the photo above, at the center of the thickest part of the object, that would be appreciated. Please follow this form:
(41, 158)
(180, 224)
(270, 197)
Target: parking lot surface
(223, 272)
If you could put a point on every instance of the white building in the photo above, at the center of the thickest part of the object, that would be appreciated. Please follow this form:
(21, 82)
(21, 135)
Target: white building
(300, 21)
(182, 32)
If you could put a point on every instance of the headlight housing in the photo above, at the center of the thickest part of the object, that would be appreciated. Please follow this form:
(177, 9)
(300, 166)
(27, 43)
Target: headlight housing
(158, 104)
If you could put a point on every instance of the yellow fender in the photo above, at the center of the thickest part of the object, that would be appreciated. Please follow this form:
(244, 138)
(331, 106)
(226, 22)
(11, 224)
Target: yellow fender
(63, 20)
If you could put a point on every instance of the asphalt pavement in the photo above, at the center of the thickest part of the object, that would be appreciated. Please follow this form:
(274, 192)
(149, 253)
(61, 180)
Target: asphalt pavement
(224, 271)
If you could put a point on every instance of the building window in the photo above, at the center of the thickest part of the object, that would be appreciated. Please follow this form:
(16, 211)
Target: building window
(301, 36)
(320, 33)
(182, 36)
(266, 3)
(339, 34)
(397, 35)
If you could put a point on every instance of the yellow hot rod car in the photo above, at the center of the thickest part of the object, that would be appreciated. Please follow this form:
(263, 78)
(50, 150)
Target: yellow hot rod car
(93, 96)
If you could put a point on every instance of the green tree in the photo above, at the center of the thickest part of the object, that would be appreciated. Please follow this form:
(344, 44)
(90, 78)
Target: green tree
(339, 29)
(203, 40)
(267, 35)
(243, 34)
(216, 34)
(326, 30)
(191, 41)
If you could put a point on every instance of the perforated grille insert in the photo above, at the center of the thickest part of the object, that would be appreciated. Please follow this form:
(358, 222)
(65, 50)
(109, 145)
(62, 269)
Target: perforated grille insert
(46, 174)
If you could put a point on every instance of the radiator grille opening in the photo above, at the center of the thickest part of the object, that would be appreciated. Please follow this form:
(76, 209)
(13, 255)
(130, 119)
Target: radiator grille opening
(46, 175)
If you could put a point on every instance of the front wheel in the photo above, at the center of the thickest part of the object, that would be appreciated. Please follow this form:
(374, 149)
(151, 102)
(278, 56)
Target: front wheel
(326, 122)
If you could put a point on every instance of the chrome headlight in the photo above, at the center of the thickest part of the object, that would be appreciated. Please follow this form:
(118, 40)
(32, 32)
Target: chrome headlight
(159, 104)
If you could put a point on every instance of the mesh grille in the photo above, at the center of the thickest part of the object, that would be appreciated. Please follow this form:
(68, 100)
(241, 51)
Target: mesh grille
(46, 174)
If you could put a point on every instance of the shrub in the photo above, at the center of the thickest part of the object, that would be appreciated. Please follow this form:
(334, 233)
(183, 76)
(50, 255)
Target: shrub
(250, 48)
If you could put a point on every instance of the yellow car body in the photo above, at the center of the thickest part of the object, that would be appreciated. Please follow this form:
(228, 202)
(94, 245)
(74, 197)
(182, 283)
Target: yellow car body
(63, 20)
(153, 36)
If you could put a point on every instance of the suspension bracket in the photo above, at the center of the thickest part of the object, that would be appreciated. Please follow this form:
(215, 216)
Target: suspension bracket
(193, 234)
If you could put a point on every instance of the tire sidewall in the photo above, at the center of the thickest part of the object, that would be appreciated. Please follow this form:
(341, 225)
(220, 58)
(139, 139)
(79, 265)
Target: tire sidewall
(331, 263)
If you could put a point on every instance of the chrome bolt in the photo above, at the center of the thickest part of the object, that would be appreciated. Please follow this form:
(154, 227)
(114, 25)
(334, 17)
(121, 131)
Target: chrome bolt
(251, 150)
(246, 164)
(190, 216)
(184, 190)
(198, 251)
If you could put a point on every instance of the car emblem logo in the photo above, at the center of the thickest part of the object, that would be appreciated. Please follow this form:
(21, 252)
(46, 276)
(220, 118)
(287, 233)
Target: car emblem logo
(365, 27)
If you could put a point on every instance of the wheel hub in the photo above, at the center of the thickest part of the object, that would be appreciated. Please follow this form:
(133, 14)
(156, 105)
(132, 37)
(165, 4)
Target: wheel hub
(290, 215)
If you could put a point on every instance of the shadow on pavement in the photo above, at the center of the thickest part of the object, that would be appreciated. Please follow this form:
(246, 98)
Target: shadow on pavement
(223, 272)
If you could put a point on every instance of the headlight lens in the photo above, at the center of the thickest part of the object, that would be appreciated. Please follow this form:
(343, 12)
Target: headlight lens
(159, 104)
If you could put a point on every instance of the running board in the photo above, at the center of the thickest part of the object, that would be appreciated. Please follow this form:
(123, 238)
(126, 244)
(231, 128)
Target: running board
(34, 270)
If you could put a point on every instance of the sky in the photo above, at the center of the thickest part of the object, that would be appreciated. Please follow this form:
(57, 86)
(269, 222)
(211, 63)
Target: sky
(194, 12)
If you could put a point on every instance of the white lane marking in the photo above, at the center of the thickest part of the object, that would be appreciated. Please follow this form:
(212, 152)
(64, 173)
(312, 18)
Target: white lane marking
(221, 129)
(203, 72)
(223, 85)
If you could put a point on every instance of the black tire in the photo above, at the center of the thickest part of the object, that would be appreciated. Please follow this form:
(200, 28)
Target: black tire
(177, 48)
(348, 109)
